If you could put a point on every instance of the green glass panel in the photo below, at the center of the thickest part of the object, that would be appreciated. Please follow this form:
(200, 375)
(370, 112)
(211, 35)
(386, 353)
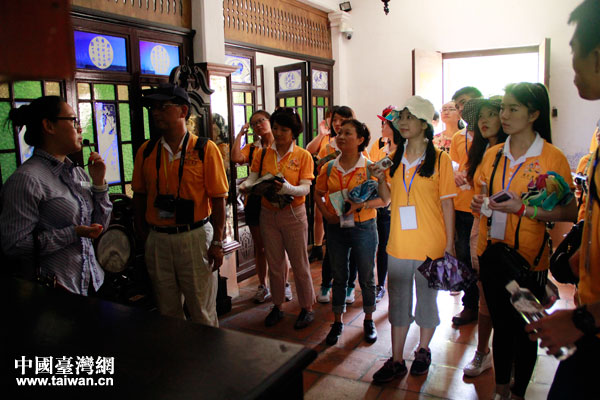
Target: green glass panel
(115, 189)
(299, 111)
(7, 141)
(301, 140)
(314, 112)
(127, 161)
(146, 124)
(249, 112)
(290, 102)
(28, 89)
(250, 138)
(85, 117)
(238, 97)
(9, 164)
(104, 91)
(86, 153)
(320, 101)
(125, 119)
(242, 172)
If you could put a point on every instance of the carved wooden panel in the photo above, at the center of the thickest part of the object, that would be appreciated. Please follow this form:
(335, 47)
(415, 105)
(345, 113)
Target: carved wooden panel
(286, 25)
(170, 12)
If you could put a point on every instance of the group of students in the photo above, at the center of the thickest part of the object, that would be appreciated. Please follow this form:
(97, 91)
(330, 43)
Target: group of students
(428, 204)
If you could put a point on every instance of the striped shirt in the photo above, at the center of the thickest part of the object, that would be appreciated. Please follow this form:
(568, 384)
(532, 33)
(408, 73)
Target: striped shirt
(52, 197)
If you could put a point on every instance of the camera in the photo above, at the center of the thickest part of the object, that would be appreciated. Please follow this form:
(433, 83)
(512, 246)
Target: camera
(384, 163)
(580, 179)
(165, 202)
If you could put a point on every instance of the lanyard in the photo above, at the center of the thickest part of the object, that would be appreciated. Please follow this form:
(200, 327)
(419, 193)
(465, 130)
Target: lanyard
(181, 163)
(411, 182)
(342, 179)
(512, 176)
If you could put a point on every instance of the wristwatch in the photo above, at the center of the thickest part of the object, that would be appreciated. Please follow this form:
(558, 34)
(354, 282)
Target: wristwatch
(218, 243)
(584, 321)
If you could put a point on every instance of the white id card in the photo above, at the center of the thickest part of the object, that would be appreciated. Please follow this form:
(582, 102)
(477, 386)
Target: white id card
(408, 217)
(347, 221)
(498, 225)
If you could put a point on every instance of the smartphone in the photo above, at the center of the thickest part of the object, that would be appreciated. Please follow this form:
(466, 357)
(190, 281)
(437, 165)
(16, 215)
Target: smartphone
(384, 163)
(501, 196)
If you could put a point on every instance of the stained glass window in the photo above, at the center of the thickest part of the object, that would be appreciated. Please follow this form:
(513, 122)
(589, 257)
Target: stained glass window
(108, 140)
(290, 80)
(100, 52)
(243, 74)
(158, 58)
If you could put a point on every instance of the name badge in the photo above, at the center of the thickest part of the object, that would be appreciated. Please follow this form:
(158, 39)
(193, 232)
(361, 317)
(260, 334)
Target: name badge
(165, 214)
(498, 225)
(85, 184)
(408, 217)
(347, 221)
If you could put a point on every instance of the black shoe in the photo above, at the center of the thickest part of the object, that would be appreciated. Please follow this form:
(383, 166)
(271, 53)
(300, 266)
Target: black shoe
(466, 316)
(379, 293)
(316, 254)
(370, 331)
(334, 333)
(305, 318)
(422, 362)
(390, 371)
(274, 316)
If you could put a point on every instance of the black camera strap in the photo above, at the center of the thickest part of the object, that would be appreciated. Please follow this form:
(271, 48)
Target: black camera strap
(181, 163)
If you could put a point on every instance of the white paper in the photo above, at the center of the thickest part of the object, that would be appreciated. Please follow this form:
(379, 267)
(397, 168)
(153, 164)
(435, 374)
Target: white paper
(408, 217)
(498, 225)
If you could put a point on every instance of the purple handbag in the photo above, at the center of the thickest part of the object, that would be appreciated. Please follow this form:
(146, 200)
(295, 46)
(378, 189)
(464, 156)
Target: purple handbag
(447, 273)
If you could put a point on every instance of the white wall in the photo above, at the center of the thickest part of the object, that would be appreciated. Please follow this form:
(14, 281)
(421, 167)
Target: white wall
(378, 57)
(269, 62)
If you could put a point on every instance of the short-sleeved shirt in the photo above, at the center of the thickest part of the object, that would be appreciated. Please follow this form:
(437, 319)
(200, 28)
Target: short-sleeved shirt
(324, 142)
(295, 166)
(459, 153)
(378, 153)
(589, 275)
(426, 194)
(443, 142)
(541, 158)
(200, 180)
(582, 168)
(340, 179)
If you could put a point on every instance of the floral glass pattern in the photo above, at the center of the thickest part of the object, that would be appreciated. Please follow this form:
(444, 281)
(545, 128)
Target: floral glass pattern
(158, 58)
(290, 80)
(100, 52)
(320, 80)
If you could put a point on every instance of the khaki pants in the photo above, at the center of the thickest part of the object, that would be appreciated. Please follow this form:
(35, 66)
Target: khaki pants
(178, 264)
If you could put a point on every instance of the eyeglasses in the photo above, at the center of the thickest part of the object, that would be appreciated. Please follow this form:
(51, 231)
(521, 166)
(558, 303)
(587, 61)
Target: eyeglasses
(161, 106)
(448, 109)
(256, 123)
(76, 123)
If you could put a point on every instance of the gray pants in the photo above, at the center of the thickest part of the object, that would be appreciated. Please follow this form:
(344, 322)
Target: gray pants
(401, 275)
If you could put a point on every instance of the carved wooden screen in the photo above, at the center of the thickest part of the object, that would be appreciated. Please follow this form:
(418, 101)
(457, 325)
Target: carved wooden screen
(285, 25)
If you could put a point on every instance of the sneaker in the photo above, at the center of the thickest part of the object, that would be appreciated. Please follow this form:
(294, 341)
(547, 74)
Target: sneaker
(370, 331)
(335, 333)
(274, 316)
(478, 364)
(422, 362)
(325, 295)
(262, 294)
(390, 371)
(305, 318)
(379, 293)
(454, 293)
(349, 295)
(288, 292)
(316, 254)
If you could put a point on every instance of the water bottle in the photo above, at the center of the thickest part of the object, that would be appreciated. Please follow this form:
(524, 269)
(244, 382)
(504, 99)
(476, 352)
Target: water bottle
(532, 310)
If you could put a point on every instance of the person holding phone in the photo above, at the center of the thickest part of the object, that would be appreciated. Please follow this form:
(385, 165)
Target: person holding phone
(527, 153)
(354, 229)
(422, 225)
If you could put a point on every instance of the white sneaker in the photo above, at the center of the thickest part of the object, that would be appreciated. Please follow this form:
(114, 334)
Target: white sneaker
(349, 295)
(325, 295)
(478, 364)
(262, 294)
(288, 292)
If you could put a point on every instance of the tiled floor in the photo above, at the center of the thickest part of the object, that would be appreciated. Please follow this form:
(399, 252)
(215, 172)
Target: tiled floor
(345, 371)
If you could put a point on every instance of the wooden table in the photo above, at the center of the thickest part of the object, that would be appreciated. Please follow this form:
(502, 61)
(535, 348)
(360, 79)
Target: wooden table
(155, 357)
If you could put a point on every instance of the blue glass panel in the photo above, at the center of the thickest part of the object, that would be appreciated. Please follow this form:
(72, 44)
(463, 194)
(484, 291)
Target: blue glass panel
(158, 58)
(26, 150)
(100, 52)
(243, 64)
(108, 143)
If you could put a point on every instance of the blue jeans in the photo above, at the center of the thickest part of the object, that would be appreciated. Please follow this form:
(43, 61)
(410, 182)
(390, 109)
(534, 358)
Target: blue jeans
(362, 239)
(326, 276)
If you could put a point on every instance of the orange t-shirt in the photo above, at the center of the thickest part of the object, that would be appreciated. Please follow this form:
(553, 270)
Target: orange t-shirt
(295, 166)
(426, 194)
(339, 179)
(200, 180)
(459, 153)
(582, 169)
(589, 275)
(378, 153)
(531, 232)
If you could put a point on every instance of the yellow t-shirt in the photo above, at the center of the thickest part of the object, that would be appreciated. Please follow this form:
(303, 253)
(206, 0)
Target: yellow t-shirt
(582, 169)
(339, 179)
(295, 166)
(426, 194)
(200, 180)
(531, 232)
(246, 152)
(376, 153)
(459, 153)
(589, 278)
